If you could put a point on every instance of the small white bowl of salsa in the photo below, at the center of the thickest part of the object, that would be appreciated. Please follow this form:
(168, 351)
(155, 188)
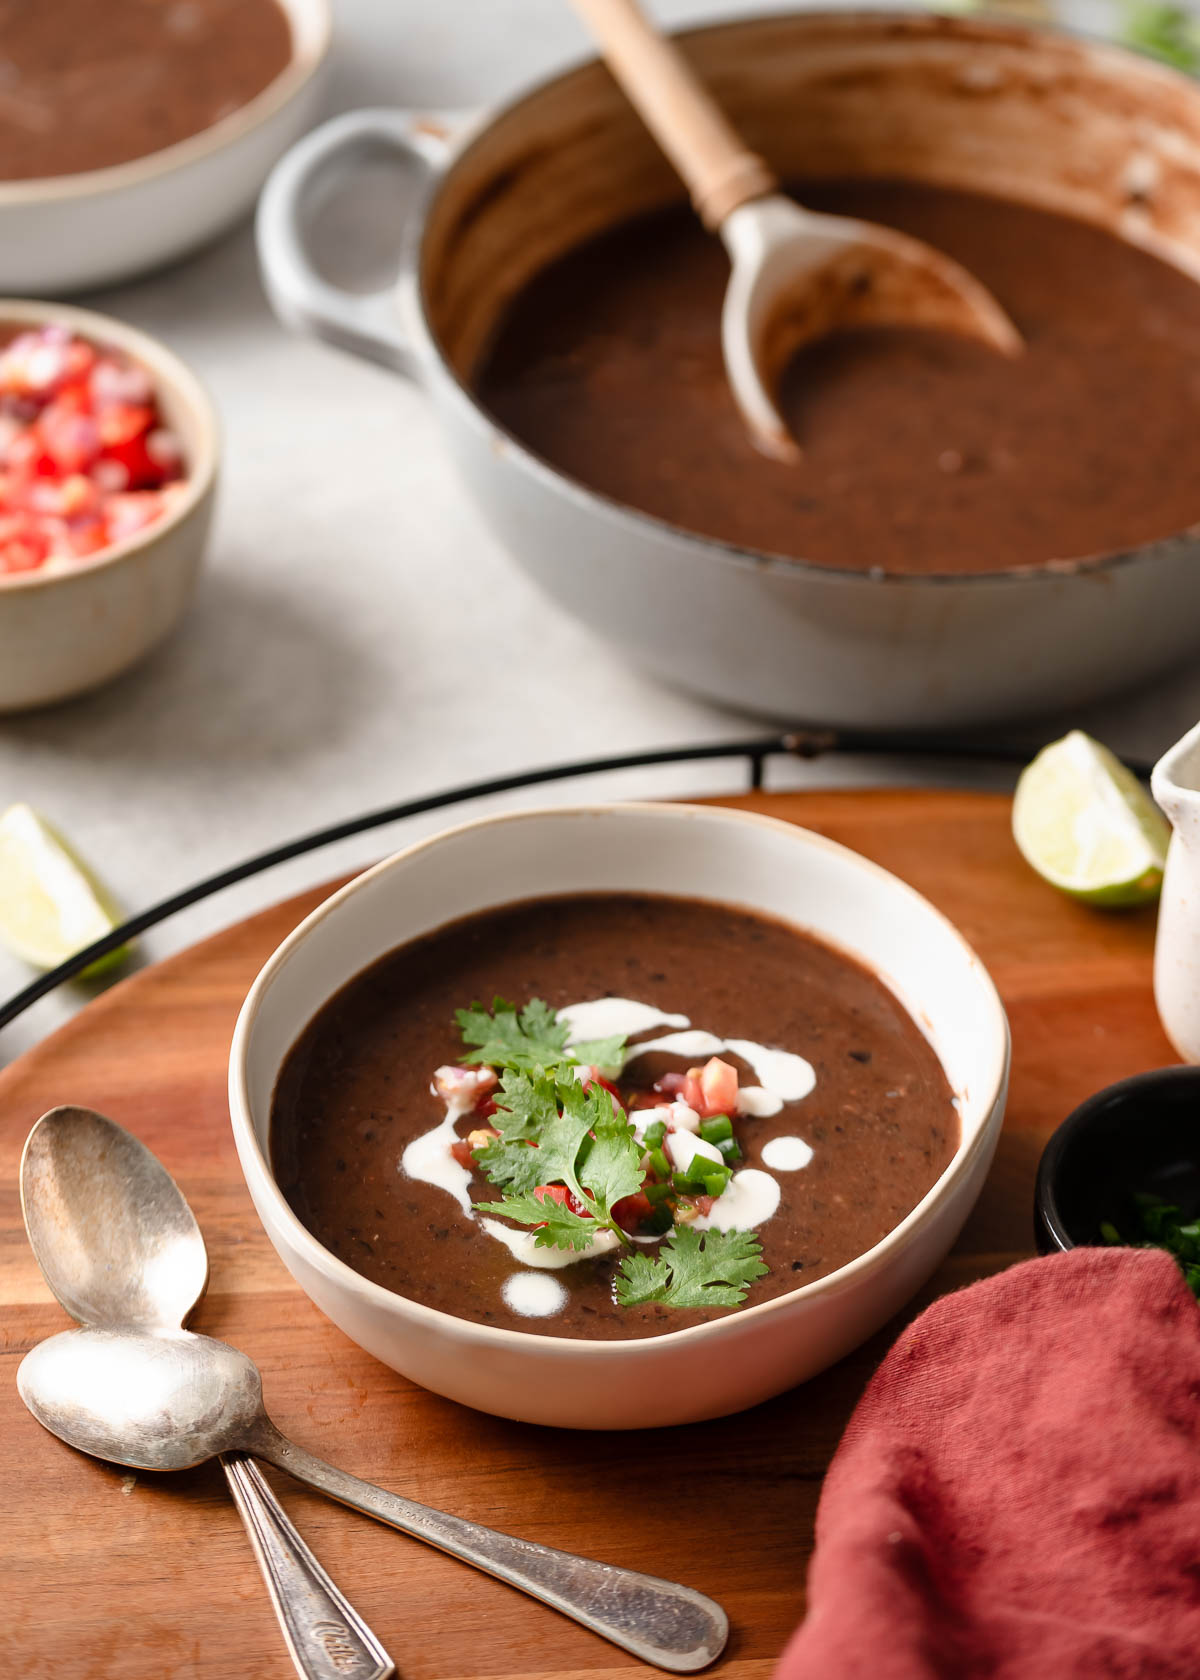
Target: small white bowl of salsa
(108, 464)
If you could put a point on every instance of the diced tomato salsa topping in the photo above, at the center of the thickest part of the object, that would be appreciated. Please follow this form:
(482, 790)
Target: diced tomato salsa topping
(710, 1090)
(593, 1076)
(566, 1198)
(466, 1087)
(718, 1088)
(85, 457)
(464, 1149)
(632, 1212)
(683, 1101)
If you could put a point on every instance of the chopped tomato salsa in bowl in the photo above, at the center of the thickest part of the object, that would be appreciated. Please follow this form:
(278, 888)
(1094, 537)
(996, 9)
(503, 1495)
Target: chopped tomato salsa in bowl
(108, 454)
(86, 458)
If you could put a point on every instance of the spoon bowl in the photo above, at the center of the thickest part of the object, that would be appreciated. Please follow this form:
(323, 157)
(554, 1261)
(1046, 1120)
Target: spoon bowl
(110, 1228)
(796, 275)
(162, 1400)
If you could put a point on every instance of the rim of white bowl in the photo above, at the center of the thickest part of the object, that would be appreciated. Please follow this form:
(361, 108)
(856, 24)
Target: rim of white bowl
(167, 371)
(250, 1150)
(304, 60)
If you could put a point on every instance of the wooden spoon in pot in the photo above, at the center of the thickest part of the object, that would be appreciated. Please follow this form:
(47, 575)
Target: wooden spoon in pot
(796, 275)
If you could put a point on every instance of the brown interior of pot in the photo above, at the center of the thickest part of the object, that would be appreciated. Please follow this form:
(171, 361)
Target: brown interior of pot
(1030, 115)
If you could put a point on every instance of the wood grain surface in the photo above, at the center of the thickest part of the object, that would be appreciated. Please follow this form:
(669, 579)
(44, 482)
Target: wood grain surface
(110, 1576)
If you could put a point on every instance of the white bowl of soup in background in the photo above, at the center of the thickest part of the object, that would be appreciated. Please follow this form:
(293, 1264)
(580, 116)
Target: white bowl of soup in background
(732, 857)
(66, 233)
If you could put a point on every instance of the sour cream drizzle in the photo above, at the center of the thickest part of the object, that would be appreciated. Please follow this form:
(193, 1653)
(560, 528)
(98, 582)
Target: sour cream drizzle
(522, 1245)
(428, 1159)
(782, 1076)
(786, 1154)
(750, 1198)
(603, 1017)
(533, 1294)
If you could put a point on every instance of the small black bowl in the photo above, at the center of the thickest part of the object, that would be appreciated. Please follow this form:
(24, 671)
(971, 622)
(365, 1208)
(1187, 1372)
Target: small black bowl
(1141, 1134)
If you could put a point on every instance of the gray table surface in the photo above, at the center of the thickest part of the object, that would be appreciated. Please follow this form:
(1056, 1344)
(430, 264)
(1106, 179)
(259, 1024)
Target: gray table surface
(320, 671)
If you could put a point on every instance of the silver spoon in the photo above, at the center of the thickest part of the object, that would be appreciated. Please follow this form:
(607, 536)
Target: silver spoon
(165, 1399)
(796, 275)
(119, 1248)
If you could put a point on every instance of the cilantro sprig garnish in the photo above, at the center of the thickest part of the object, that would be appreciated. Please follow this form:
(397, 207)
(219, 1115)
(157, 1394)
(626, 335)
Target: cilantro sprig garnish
(581, 1140)
(532, 1039)
(692, 1269)
(553, 1132)
(1166, 31)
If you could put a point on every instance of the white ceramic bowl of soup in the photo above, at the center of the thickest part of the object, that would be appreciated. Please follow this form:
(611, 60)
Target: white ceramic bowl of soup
(731, 857)
(66, 233)
(66, 631)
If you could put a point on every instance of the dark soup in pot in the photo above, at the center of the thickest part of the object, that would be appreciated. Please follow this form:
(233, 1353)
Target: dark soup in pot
(683, 1107)
(922, 452)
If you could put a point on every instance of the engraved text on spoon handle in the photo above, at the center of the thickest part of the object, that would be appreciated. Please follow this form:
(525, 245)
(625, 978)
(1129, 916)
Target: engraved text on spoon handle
(326, 1637)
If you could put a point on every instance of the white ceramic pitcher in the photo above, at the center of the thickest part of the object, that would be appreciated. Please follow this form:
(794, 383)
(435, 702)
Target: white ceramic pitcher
(1176, 787)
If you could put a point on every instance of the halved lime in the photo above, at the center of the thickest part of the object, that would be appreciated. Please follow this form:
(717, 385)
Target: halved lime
(1087, 825)
(51, 905)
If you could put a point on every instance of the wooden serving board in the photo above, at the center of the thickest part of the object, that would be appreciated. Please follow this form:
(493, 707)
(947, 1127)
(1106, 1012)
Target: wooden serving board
(110, 1576)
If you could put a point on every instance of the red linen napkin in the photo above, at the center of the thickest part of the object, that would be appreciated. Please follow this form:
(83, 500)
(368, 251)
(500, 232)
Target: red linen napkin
(1017, 1495)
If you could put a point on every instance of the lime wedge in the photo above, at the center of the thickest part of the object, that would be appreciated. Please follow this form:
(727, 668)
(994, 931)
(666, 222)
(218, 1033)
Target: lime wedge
(1087, 825)
(51, 905)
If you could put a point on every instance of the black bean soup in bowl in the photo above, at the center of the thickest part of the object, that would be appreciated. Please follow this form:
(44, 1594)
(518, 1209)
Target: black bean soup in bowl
(544, 1107)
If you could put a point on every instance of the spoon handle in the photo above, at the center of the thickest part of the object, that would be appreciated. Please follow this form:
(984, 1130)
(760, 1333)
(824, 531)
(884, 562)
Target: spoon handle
(659, 1621)
(327, 1638)
(720, 170)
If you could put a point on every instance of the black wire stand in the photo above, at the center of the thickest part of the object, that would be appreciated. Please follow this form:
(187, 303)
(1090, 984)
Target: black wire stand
(803, 742)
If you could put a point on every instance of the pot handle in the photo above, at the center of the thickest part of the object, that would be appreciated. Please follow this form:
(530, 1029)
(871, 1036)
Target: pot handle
(366, 323)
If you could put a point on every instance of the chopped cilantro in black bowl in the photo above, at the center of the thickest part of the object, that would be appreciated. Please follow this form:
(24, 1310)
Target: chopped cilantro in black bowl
(1125, 1167)
(1156, 1222)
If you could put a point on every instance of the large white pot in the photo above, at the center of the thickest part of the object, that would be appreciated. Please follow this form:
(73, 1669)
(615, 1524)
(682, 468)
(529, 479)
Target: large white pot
(1037, 116)
(698, 852)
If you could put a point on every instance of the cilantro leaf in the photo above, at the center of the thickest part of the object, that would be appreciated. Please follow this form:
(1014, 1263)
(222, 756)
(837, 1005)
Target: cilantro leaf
(558, 1226)
(580, 1139)
(641, 1278)
(556, 1118)
(692, 1269)
(513, 1166)
(522, 1103)
(1167, 31)
(523, 1107)
(532, 1039)
(601, 1052)
(560, 1141)
(612, 1164)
